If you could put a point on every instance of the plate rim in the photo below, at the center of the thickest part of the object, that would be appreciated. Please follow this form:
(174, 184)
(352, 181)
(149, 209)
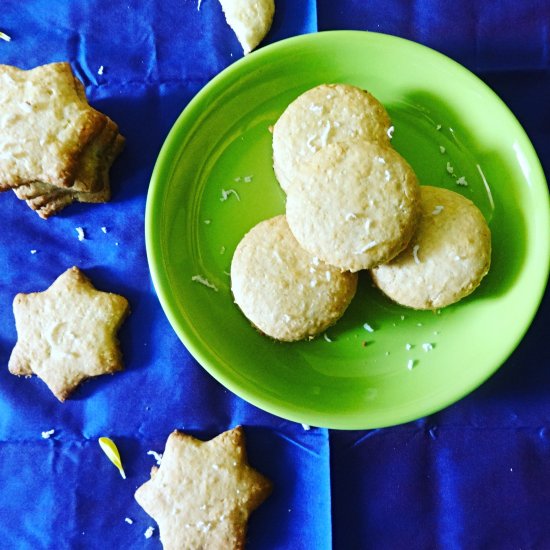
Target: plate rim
(155, 257)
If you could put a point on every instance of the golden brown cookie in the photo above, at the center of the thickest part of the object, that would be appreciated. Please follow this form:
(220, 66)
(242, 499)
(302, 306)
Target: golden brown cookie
(67, 333)
(51, 137)
(447, 257)
(354, 204)
(203, 493)
(286, 292)
(324, 115)
(249, 19)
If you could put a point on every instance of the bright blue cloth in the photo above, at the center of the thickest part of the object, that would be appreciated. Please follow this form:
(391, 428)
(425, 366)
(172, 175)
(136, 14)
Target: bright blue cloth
(476, 475)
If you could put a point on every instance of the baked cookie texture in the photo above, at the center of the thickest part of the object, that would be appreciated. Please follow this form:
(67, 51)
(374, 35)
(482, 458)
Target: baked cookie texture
(67, 333)
(203, 493)
(324, 115)
(54, 148)
(354, 204)
(249, 19)
(287, 293)
(447, 257)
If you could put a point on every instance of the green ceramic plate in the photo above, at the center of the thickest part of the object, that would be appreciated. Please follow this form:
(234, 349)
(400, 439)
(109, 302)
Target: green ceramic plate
(220, 148)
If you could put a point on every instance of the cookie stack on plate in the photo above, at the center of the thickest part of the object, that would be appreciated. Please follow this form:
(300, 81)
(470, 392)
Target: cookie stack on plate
(353, 203)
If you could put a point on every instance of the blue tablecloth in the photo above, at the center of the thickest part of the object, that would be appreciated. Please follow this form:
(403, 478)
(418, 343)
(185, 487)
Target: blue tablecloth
(476, 475)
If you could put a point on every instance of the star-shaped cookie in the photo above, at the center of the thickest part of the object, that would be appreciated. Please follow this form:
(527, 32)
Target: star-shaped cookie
(67, 333)
(203, 492)
(54, 147)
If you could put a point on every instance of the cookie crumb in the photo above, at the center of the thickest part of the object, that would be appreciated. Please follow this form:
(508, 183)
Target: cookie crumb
(47, 434)
(156, 456)
(80, 233)
(205, 282)
(129, 521)
(149, 532)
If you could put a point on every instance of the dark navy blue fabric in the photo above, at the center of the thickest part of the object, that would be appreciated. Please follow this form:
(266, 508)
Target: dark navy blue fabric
(476, 475)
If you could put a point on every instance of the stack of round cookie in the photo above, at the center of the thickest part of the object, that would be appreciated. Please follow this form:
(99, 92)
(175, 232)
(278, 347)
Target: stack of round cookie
(353, 203)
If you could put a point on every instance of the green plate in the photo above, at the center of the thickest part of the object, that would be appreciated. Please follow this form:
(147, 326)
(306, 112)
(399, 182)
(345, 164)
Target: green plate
(220, 148)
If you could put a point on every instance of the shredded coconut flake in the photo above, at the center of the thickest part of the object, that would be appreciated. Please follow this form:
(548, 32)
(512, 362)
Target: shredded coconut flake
(104, 229)
(48, 434)
(415, 253)
(149, 532)
(207, 222)
(129, 521)
(350, 216)
(33, 251)
(462, 181)
(100, 70)
(368, 246)
(408, 347)
(226, 194)
(380, 160)
(442, 149)
(80, 233)
(199, 5)
(222, 250)
(390, 132)
(326, 337)
(438, 127)
(387, 175)
(437, 210)
(328, 276)
(5, 37)
(367, 327)
(315, 260)
(324, 133)
(204, 281)
(247, 179)
(450, 169)
(410, 364)
(309, 143)
(306, 427)
(316, 108)
(427, 346)
(156, 456)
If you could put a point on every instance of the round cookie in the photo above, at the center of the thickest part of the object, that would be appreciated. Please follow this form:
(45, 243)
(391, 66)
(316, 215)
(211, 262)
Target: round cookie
(354, 204)
(329, 113)
(447, 257)
(284, 291)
